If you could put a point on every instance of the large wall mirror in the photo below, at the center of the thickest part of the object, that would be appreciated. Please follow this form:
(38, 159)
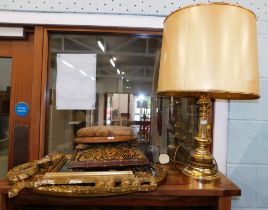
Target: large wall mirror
(118, 74)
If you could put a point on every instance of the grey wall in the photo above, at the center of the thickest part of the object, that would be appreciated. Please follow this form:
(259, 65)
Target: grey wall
(247, 160)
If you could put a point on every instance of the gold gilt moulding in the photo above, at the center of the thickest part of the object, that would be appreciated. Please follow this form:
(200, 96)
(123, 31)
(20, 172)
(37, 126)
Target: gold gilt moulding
(43, 176)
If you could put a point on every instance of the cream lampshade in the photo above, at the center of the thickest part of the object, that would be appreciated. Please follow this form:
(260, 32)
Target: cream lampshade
(209, 51)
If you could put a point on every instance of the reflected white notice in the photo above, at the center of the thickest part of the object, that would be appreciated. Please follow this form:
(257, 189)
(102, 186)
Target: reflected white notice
(76, 81)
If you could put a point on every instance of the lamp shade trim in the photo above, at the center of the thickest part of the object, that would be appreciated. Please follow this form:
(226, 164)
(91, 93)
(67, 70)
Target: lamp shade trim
(211, 3)
(211, 93)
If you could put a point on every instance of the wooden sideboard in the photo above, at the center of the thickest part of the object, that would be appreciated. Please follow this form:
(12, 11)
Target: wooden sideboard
(175, 191)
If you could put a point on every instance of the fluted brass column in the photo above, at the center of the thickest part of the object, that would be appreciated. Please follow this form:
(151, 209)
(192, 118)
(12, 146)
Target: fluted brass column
(202, 165)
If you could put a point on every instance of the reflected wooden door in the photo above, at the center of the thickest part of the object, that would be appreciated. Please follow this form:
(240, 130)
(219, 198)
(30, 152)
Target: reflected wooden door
(21, 53)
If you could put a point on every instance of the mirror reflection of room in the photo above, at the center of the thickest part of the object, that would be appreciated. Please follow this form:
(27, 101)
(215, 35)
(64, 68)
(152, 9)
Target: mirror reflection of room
(111, 80)
(5, 88)
(122, 75)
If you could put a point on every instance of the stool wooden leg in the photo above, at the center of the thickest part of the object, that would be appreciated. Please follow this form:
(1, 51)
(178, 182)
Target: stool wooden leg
(224, 203)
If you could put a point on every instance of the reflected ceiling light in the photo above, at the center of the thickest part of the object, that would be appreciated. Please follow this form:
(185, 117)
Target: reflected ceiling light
(122, 77)
(127, 80)
(141, 97)
(118, 71)
(93, 78)
(114, 58)
(101, 46)
(123, 73)
(67, 64)
(112, 62)
(84, 73)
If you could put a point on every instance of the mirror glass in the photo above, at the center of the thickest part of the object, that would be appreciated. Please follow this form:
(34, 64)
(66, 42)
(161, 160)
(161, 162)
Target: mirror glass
(103, 79)
(99, 80)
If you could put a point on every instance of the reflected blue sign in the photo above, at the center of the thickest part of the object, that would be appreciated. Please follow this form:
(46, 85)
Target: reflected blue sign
(21, 109)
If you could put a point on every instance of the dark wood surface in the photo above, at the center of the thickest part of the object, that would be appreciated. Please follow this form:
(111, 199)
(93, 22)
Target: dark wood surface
(20, 144)
(36, 147)
(175, 191)
(6, 48)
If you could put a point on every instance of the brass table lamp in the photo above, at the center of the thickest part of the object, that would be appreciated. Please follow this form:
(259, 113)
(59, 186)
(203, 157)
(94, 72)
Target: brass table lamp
(209, 51)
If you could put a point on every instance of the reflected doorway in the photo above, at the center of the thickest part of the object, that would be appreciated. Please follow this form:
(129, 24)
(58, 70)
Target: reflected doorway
(129, 110)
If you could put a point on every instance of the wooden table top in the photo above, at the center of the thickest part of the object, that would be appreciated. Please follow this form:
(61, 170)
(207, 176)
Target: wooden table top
(176, 191)
(176, 185)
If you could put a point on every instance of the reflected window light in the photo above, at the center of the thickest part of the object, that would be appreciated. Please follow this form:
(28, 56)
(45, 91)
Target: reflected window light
(84, 73)
(118, 71)
(101, 46)
(112, 62)
(67, 64)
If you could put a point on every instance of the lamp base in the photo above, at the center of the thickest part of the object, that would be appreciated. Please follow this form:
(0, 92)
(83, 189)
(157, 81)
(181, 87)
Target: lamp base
(194, 174)
(202, 166)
